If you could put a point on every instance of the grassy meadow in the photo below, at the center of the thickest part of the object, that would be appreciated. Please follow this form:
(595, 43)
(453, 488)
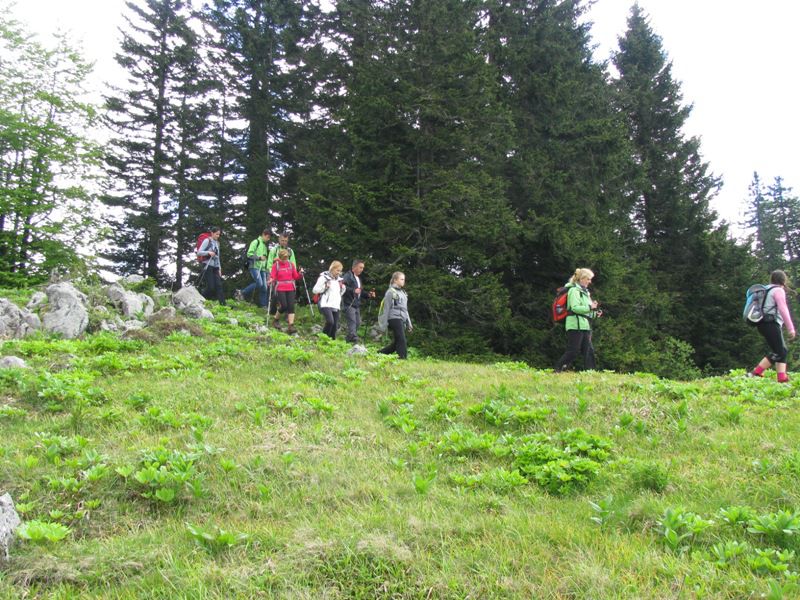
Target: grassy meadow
(220, 460)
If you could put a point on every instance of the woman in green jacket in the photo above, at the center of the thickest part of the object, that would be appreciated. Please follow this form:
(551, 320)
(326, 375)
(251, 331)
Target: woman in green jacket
(581, 310)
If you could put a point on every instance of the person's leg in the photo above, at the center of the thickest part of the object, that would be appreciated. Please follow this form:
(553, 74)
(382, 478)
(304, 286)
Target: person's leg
(351, 315)
(574, 338)
(772, 334)
(262, 289)
(335, 325)
(290, 301)
(400, 338)
(327, 313)
(215, 290)
(393, 344)
(256, 275)
(587, 350)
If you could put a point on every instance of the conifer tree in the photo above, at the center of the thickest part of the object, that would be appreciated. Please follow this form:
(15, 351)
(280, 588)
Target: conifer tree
(146, 117)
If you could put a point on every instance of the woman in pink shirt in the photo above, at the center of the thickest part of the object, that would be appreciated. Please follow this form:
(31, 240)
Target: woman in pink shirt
(776, 315)
(283, 275)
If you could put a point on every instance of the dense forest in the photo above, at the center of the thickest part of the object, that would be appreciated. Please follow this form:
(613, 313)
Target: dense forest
(475, 145)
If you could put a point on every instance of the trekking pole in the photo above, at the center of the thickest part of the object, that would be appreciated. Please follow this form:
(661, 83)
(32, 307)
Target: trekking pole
(366, 318)
(202, 275)
(308, 296)
(269, 301)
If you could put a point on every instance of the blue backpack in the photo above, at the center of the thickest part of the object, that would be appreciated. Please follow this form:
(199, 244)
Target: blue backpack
(754, 305)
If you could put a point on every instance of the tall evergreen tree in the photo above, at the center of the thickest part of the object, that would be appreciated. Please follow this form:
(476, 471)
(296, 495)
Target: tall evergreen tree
(415, 184)
(672, 190)
(158, 51)
(762, 222)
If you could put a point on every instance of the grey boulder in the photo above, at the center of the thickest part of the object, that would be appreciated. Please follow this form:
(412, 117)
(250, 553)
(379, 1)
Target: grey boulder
(16, 322)
(67, 314)
(130, 304)
(12, 362)
(9, 521)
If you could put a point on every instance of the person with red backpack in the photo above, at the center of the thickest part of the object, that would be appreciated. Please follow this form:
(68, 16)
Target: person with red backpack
(775, 316)
(284, 274)
(207, 250)
(581, 309)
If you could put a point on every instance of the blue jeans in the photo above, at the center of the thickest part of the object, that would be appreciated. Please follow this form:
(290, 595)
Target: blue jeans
(260, 283)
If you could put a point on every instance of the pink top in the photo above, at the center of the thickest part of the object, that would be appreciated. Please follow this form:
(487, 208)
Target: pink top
(779, 294)
(284, 273)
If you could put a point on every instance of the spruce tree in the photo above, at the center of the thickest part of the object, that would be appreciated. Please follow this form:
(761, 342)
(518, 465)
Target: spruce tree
(158, 51)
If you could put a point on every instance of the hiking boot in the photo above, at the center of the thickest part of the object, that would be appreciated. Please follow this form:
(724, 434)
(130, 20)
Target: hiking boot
(276, 324)
(291, 329)
(237, 295)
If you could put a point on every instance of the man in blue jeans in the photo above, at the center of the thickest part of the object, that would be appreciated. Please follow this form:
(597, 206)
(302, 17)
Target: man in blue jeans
(257, 254)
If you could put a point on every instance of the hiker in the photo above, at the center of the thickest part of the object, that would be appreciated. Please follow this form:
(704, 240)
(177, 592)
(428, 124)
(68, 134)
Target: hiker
(208, 252)
(776, 316)
(394, 315)
(353, 294)
(283, 244)
(257, 254)
(284, 274)
(581, 310)
(329, 286)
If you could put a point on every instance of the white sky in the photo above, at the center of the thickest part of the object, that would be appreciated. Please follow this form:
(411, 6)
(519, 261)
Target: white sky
(736, 61)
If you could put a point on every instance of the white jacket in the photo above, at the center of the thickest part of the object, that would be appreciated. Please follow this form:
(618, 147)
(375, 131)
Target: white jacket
(330, 291)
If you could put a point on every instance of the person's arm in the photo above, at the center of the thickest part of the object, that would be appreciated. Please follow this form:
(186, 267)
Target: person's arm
(204, 248)
(320, 286)
(576, 303)
(252, 249)
(783, 308)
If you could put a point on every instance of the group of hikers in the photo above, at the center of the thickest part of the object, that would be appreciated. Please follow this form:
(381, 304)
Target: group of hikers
(275, 274)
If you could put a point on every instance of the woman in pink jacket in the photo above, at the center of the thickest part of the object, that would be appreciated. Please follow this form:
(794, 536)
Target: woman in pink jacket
(776, 315)
(283, 275)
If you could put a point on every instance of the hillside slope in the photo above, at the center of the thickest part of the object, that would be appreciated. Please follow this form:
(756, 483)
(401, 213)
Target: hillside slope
(238, 463)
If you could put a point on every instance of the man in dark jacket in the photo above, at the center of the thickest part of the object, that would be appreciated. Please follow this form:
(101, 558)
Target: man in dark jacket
(351, 300)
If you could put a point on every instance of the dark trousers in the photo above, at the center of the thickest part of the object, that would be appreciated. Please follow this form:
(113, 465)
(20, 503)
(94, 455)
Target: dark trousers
(214, 289)
(352, 315)
(331, 321)
(577, 342)
(773, 335)
(396, 326)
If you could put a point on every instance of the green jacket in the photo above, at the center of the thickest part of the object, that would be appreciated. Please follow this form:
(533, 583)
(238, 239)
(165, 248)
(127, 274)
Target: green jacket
(579, 305)
(273, 256)
(258, 247)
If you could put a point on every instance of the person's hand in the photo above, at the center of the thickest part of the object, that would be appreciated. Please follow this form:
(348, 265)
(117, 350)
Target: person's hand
(594, 304)
(410, 328)
(599, 313)
(792, 335)
(372, 293)
(302, 271)
(211, 254)
(260, 258)
(357, 291)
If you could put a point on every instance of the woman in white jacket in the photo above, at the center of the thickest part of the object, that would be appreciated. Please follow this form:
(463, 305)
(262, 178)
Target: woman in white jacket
(330, 287)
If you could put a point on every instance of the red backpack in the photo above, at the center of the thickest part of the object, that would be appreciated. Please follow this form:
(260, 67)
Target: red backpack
(560, 308)
(200, 239)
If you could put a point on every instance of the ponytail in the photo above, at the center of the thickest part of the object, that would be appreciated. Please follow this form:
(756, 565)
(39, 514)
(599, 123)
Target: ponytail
(580, 274)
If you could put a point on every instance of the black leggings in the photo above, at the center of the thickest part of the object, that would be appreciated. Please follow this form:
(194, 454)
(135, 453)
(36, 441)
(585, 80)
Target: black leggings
(773, 334)
(399, 342)
(214, 289)
(578, 341)
(286, 301)
(331, 321)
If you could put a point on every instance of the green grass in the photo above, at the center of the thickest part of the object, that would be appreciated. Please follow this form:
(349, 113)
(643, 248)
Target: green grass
(249, 465)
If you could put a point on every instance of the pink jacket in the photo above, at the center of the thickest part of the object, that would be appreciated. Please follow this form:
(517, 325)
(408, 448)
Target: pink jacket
(285, 274)
(779, 296)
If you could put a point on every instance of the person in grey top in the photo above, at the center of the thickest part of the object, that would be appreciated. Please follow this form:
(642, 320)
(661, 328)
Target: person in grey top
(213, 269)
(395, 315)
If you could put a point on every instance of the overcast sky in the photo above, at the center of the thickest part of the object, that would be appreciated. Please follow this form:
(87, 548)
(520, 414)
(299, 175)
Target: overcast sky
(736, 61)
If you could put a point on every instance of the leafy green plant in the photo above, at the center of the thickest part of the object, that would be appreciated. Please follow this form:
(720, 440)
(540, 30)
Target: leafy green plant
(726, 553)
(424, 481)
(778, 526)
(319, 406)
(40, 532)
(319, 378)
(498, 480)
(215, 539)
(603, 511)
(462, 441)
(736, 516)
(402, 419)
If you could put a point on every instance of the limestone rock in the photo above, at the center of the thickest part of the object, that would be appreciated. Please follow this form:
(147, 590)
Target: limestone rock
(9, 521)
(357, 350)
(165, 314)
(37, 300)
(16, 322)
(130, 303)
(67, 315)
(12, 362)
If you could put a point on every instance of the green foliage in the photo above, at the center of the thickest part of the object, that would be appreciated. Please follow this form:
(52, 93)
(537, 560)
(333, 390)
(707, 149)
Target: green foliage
(650, 476)
(40, 532)
(215, 539)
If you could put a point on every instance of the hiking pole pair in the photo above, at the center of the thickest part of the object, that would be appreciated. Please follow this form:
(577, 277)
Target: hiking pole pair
(308, 296)
(202, 276)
